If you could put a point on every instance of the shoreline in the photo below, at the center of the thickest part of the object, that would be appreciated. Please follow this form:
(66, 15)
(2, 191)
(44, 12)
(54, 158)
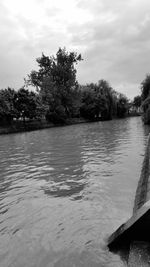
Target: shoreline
(28, 126)
(20, 126)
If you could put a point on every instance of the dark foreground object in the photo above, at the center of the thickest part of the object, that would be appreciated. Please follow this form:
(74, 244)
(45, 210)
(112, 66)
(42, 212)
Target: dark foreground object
(132, 239)
(136, 228)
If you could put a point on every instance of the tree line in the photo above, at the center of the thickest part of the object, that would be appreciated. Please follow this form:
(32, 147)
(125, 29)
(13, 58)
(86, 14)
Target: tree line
(58, 97)
(142, 101)
(145, 99)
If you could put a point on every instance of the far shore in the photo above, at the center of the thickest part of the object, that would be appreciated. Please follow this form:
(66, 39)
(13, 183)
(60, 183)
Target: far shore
(20, 126)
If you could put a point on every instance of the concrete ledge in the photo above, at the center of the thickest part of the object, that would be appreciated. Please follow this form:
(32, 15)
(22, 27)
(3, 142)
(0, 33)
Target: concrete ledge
(136, 228)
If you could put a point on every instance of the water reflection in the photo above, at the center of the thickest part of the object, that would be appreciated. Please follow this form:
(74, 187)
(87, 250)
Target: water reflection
(64, 190)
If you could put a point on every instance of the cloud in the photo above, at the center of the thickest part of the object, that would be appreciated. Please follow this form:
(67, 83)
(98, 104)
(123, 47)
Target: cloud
(117, 48)
(112, 36)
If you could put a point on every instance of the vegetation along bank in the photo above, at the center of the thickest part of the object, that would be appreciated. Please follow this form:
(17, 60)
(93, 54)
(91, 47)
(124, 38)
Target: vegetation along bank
(52, 96)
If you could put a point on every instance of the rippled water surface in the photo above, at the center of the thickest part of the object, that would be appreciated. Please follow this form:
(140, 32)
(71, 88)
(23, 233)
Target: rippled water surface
(64, 190)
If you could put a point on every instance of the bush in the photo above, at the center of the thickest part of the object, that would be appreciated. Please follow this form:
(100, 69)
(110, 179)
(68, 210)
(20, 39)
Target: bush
(57, 116)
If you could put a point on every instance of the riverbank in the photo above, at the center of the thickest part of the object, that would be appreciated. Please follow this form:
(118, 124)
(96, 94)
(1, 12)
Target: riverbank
(20, 126)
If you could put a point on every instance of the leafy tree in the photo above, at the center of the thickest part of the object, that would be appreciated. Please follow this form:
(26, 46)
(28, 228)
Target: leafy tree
(97, 101)
(122, 105)
(88, 106)
(137, 101)
(145, 96)
(145, 87)
(105, 93)
(56, 82)
(27, 104)
(7, 108)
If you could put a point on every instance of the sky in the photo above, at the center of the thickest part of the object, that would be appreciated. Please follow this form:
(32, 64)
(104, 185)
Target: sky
(113, 37)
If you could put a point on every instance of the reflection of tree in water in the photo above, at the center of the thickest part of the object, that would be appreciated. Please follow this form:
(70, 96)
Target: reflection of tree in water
(67, 178)
(70, 190)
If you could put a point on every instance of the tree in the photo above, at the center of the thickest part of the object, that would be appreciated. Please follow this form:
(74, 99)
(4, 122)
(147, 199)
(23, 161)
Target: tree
(145, 87)
(56, 82)
(97, 101)
(7, 108)
(27, 104)
(88, 106)
(106, 95)
(122, 105)
(145, 96)
(137, 101)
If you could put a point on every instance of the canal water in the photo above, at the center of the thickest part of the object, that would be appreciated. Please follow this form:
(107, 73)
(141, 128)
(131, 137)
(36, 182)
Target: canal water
(64, 190)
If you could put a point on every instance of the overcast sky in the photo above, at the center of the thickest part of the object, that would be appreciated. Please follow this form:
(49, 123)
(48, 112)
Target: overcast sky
(113, 37)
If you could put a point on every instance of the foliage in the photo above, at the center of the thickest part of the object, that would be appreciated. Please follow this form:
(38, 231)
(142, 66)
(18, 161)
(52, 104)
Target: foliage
(145, 97)
(7, 108)
(56, 82)
(59, 97)
(137, 101)
(145, 87)
(19, 104)
(122, 105)
(88, 106)
(25, 104)
(98, 101)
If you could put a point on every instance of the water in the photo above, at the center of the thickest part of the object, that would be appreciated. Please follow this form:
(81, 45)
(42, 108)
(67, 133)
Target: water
(64, 190)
